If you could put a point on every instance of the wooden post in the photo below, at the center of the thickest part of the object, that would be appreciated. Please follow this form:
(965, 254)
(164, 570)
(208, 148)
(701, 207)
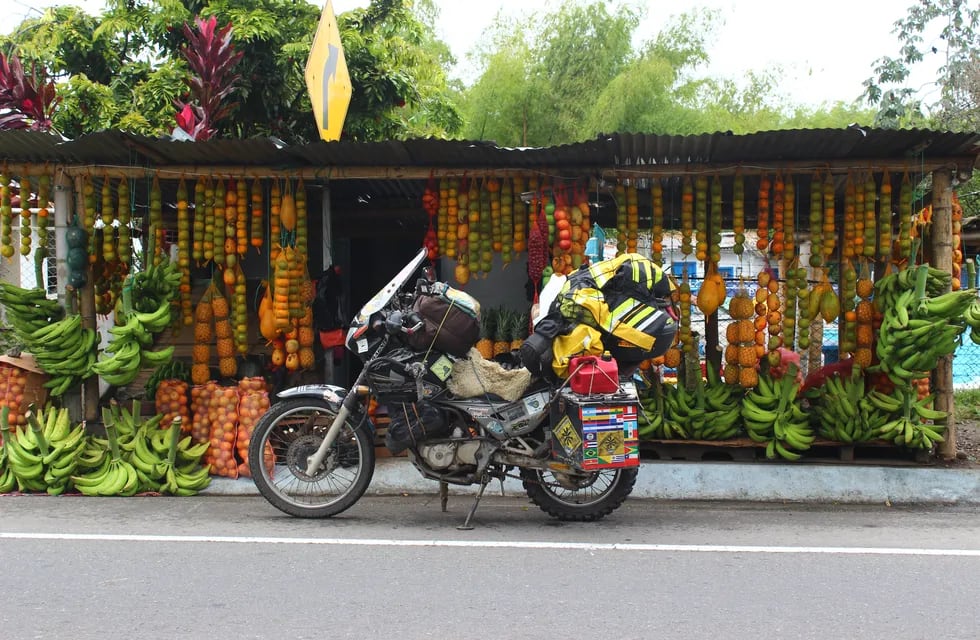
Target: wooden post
(86, 307)
(63, 203)
(326, 229)
(942, 258)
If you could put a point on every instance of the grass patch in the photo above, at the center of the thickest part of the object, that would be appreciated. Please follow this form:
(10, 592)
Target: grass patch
(967, 404)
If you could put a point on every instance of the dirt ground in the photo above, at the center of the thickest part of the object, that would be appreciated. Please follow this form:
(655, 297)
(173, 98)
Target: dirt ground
(967, 444)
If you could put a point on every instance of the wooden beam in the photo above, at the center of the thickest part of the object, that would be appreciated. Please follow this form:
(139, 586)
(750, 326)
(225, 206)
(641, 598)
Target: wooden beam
(942, 258)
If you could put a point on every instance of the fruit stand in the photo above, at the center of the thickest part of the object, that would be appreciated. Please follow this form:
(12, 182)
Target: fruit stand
(189, 269)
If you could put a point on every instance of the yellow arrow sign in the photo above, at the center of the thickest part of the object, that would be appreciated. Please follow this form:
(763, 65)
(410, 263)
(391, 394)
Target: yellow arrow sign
(327, 78)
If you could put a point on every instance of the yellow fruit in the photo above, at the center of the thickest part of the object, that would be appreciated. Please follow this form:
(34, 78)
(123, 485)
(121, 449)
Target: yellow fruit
(748, 377)
(200, 373)
(228, 366)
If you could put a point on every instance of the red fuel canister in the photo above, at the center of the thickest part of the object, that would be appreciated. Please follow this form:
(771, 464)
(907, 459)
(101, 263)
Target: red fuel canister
(594, 374)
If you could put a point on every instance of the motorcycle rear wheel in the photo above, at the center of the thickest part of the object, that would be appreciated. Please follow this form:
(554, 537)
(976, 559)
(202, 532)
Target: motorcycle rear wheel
(597, 494)
(292, 430)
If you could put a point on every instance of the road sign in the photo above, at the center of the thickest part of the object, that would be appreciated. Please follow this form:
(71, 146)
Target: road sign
(327, 78)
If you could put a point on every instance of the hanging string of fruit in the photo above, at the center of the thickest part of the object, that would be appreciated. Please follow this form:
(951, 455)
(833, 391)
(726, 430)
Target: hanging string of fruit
(430, 202)
(240, 307)
(688, 346)
(790, 295)
(280, 291)
(492, 186)
(687, 216)
(275, 225)
(864, 318)
(789, 220)
(870, 216)
(850, 218)
(905, 219)
(156, 219)
(762, 225)
(885, 218)
(701, 218)
(25, 215)
(287, 215)
(619, 193)
(957, 219)
(108, 215)
(184, 253)
(442, 221)
(714, 245)
(657, 222)
(224, 334)
(297, 277)
(632, 218)
(738, 214)
(473, 202)
(520, 215)
(124, 215)
(486, 231)
(209, 222)
(462, 271)
(774, 317)
(816, 222)
(220, 222)
(848, 332)
(561, 258)
(197, 223)
(203, 334)
(829, 219)
(302, 221)
(740, 354)
(506, 204)
(533, 209)
(6, 218)
(581, 226)
(89, 215)
(859, 217)
(803, 293)
(537, 251)
(256, 230)
(778, 216)
(305, 337)
(43, 219)
(241, 217)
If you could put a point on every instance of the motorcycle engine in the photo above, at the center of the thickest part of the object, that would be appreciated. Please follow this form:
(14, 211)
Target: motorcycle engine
(449, 455)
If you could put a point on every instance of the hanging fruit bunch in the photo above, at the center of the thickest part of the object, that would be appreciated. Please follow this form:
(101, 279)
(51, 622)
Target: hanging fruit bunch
(850, 218)
(701, 218)
(302, 220)
(829, 243)
(688, 345)
(275, 225)
(740, 354)
(442, 221)
(581, 226)
(774, 317)
(537, 251)
(197, 224)
(803, 293)
(486, 231)
(762, 229)
(475, 228)
(778, 216)
(957, 217)
(848, 330)
(687, 216)
(43, 219)
(864, 318)
(738, 214)
(306, 336)
(885, 218)
(657, 222)
(6, 218)
(789, 220)
(904, 249)
(815, 218)
(492, 200)
(506, 205)
(790, 295)
(520, 215)
(203, 334)
(619, 194)
(561, 261)
(242, 205)
(220, 204)
(870, 217)
(184, 246)
(256, 230)
(107, 214)
(25, 216)
(124, 216)
(430, 202)
(156, 219)
(714, 244)
(280, 291)
(209, 221)
(462, 271)
(224, 334)
(632, 218)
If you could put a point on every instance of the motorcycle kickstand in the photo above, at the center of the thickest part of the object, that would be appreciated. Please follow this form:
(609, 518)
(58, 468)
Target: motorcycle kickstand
(483, 486)
(443, 494)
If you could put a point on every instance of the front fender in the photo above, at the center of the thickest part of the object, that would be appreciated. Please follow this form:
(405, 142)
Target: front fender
(332, 395)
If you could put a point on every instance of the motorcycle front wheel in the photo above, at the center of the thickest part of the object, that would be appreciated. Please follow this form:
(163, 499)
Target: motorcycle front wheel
(583, 497)
(284, 439)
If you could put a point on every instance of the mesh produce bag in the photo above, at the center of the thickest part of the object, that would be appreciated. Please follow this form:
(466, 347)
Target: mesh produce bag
(223, 418)
(171, 401)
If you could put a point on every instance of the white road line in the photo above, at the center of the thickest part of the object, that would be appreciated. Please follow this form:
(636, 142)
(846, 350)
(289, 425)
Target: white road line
(493, 544)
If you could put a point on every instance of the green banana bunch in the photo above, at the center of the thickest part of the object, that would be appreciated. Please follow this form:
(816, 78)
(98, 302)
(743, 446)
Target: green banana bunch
(682, 417)
(772, 415)
(650, 417)
(7, 479)
(28, 310)
(156, 284)
(889, 288)
(722, 412)
(843, 410)
(183, 474)
(912, 422)
(66, 354)
(63, 444)
(24, 457)
(114, 476)
(130, 346)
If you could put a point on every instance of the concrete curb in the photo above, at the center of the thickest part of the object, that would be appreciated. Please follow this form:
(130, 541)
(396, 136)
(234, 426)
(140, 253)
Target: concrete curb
(749, 482)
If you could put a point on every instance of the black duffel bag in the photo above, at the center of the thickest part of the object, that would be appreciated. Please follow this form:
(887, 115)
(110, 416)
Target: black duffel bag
(412, 423)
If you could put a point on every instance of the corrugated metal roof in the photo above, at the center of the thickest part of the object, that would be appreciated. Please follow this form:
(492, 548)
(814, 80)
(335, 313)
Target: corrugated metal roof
(115, 148)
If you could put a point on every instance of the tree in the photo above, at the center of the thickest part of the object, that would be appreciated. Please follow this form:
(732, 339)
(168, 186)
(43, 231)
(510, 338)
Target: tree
(124, 69)
(957, 108)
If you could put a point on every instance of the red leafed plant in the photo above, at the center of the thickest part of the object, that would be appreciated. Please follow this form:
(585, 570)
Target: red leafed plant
(212, 58)
(25, 101)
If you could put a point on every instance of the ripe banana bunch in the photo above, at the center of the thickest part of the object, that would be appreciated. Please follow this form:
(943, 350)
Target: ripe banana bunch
(844, 411)
(43, 456)
(772, 415)
(130, 344)
(722, 413)
(682, 416)
(28, 310)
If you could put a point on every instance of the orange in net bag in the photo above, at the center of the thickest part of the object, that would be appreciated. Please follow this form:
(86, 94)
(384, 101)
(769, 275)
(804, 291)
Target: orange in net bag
(252, 407)
(200, 420)
(171, 401)
(223, 417)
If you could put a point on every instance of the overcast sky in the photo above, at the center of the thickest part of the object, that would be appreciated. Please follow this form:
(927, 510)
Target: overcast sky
(826, 48)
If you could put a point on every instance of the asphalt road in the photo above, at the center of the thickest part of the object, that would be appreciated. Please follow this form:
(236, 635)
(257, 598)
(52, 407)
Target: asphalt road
(234, 567)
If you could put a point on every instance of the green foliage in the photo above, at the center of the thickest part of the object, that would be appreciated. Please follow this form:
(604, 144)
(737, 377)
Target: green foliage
(967, 404)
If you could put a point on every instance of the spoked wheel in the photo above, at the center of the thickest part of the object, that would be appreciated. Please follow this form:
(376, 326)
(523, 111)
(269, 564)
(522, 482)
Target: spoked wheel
(582, 497)
(285, 438)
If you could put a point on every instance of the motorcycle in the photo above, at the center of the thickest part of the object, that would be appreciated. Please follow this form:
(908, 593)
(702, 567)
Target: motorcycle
(317, 441)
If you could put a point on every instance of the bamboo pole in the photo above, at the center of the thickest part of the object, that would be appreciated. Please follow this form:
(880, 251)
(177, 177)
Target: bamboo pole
(942, 258)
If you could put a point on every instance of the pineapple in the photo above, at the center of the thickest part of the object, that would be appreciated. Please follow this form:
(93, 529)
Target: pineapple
(501, 337)
(200, 373)
(519, 330)
(488, 326)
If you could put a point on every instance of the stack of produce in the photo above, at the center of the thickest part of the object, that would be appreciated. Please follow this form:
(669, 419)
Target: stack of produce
(253, 405)
(722, 415)
(131, 345)
(772, 415)
(845, 410)
(43, 456)
(741, 356)
(65, 351)
(222, 410)
(167, 462)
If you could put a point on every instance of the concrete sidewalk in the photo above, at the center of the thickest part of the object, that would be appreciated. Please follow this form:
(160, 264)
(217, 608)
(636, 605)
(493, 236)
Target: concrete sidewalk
(749, 482)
